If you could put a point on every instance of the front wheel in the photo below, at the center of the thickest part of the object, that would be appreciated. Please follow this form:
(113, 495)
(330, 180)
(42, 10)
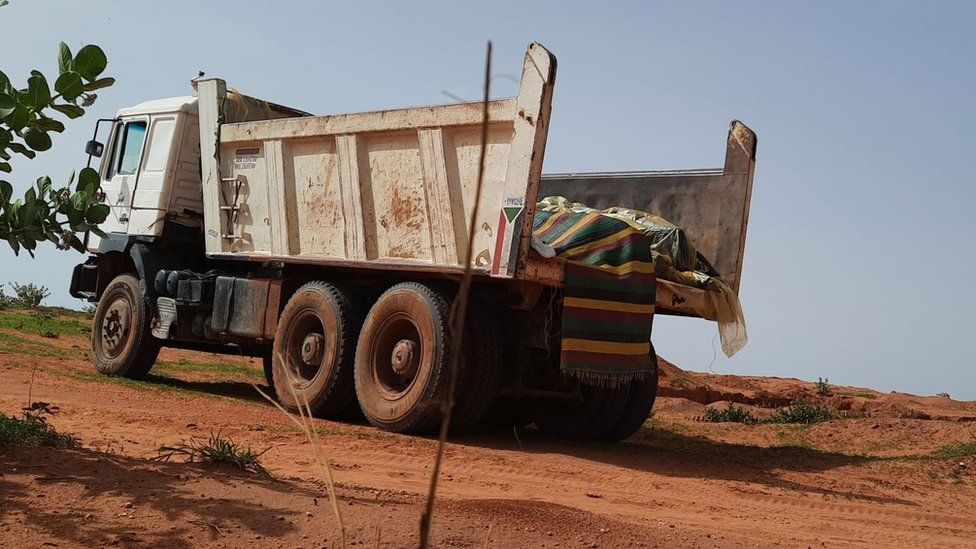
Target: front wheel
(122, 344)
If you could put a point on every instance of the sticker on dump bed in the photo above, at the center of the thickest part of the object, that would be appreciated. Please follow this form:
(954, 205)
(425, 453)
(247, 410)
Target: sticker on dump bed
(246, 159)
(507, 223)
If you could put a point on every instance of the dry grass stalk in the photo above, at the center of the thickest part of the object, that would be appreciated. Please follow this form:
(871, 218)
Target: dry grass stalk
(459, 312)
(304, 423)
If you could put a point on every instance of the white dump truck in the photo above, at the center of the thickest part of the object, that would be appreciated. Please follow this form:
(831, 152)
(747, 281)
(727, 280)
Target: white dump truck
(331, 247)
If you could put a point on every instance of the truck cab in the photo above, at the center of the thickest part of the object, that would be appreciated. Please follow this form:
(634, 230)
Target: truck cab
(150, 169)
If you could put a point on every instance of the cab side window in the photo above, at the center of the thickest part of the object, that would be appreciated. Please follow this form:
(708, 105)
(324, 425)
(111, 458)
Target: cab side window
(132, 138)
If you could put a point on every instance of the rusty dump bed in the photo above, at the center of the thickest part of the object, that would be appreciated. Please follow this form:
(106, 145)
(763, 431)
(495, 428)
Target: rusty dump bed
(395, 189)
(391, 189)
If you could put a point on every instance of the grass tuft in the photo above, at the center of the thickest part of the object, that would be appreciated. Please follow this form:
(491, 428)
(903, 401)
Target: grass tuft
(801, 411)
(731, 414)
(216, 449)
(32, 429)
(963, 449)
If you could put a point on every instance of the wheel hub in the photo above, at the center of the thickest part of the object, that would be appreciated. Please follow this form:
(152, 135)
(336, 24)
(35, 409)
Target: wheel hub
(312, 349)
(115, 326)
(404, 356)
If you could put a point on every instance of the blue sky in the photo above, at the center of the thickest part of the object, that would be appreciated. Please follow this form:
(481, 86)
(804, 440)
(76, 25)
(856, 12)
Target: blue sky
(860, 255)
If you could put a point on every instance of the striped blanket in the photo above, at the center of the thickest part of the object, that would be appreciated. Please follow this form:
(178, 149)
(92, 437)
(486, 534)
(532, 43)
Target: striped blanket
(608, 300)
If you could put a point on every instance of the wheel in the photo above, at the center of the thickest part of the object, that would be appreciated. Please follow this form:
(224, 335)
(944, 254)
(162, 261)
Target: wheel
(314, 346)
(402, 359)
(481, 370)
(122, 344)
(640, 401)
(591, 419)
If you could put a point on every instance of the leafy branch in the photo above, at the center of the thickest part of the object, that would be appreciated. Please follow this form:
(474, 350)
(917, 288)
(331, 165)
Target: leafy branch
(26, 122)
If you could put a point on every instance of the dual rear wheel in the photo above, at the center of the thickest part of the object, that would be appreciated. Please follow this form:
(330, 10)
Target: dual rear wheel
(393, 361)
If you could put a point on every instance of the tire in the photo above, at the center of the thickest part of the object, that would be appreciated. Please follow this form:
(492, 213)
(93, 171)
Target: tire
(640, 401)
(316, 339)
(122, 343)
(592, 419)
(402, 359)
(481, 370)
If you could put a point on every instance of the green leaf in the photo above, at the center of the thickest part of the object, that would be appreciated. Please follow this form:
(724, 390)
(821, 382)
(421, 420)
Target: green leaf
(97, 214)
(4, 83)
(20, 148)
(43, 185)
(87, 181)
(29, 197)
(99, 84)
(7, 104)
(71, 111)
(90, 62)
(5, 137)
(13, 243)
(65, 59)
(18, 118)
(38, 92)
(47, 124)
(69, 85)
(6, 191)
(79, 201)
(37, 139)
(4, 167)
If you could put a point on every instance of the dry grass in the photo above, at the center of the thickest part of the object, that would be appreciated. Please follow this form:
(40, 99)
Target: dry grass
(304, 423)
(458, 314)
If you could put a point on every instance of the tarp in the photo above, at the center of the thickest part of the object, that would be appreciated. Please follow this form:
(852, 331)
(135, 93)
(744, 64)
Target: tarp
(675, 259)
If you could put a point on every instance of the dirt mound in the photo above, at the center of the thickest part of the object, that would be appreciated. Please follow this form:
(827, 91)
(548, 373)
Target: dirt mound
(774, 392)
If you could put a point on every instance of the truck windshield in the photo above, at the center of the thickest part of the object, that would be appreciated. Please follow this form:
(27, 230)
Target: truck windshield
(135, 134)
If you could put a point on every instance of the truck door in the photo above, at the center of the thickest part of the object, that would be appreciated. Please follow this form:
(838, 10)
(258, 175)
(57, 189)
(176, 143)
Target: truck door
(121, 174)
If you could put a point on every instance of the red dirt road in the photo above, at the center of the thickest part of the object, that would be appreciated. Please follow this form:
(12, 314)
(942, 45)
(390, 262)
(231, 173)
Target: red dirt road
(870, 480)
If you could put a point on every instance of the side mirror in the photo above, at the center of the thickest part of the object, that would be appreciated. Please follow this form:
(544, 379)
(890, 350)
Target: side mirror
(94, 148)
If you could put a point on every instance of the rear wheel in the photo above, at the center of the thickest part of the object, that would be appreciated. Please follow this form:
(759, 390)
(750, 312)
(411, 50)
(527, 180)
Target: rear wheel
(481, 369)
(591, 419)
(314, 349)
(122, 344)
(640, 401)
(402, 359)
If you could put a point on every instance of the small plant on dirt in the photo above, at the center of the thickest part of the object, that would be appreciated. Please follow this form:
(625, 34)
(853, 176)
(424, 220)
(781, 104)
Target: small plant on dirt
(963, 449)
(32, 429)
(216, 449)
(50, 334)
(823, 388)
(801, 411)
(731, 414)
(30, 295)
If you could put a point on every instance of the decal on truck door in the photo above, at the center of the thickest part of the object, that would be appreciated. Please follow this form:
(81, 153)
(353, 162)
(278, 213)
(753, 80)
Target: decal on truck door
(506, 241)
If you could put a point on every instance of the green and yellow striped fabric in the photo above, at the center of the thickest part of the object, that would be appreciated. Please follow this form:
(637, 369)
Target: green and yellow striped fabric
(608, 300)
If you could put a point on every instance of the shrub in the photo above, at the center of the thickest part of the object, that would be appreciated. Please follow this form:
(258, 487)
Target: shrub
(32, 429)
(801, 411)
(30, 295)
(216, 450)
(7, 301)
(731, 414)
(823, 388)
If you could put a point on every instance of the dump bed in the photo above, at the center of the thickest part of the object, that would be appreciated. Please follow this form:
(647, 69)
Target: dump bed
(391, 189)
(395, 189)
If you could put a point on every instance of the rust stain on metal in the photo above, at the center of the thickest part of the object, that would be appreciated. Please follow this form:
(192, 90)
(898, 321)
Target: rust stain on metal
(406, 211)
